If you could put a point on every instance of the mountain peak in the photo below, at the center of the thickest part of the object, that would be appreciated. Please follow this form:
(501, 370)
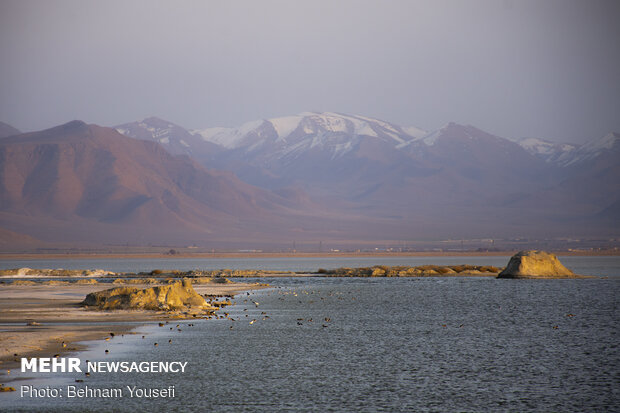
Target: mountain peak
(609, 141)
(83, 185)
(157, 121)
(453, 130)
(152, 128)
(7, 130)
(74, 124)
(592, 149)
(69, 129)
(176, 139)
(550, 152)
(324, 126)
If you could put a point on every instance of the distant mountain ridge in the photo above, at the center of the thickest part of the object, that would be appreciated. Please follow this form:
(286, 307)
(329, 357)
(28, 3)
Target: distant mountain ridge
(284, 137)
(293, 130)
(608, 144)
(7, 130)
(372, 167)
(174, 138)
(566, 154)
(88, 183)
(308, 177)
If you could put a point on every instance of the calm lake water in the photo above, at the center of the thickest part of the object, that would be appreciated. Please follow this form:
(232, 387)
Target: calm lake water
(403, 344)
(602, 266)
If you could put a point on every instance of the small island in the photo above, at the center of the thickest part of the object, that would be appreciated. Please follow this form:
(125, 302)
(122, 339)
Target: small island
(536, 264)
(50, 310)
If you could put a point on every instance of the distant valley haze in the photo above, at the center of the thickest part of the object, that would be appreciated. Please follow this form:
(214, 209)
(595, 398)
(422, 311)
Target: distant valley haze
(309, 125)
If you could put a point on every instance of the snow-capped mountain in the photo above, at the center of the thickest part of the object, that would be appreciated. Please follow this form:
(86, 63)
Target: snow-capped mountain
(566, 154)
(314, 176)
(374, 163)
(176, 139)
(608, 145)
(289, 137)
(310, 149)
(91, 184)
(457, 176)
(552, 152)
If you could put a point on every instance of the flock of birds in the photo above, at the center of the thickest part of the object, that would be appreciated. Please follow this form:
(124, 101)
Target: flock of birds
(300, 321)
(248, 301)
(324, 321)
(264, 316)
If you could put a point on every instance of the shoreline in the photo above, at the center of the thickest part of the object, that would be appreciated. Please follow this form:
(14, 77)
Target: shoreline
(62, 323)
(45, 318)
(223, 255)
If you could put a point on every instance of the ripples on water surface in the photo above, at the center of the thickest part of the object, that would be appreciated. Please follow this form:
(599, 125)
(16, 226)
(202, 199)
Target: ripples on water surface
(416, 344)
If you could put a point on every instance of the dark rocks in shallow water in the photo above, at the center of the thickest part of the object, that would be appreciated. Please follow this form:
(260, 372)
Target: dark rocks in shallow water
(535, 264)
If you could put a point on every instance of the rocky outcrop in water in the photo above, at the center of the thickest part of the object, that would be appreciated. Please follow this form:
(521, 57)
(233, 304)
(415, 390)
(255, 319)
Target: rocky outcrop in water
(535, 264)
(419, 271)
(176, 296)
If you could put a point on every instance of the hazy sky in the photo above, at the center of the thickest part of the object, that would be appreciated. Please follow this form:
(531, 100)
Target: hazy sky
(539, 68)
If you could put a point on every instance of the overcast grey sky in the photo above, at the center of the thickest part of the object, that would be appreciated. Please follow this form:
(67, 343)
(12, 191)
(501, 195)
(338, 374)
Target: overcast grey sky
(539, 68)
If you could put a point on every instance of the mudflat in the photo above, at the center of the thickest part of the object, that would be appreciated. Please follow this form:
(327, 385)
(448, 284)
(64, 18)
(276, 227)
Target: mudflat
(48, 319)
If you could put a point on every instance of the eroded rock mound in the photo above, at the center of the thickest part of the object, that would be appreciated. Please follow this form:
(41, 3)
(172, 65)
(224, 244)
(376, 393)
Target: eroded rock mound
(176, 296)
(535, 264)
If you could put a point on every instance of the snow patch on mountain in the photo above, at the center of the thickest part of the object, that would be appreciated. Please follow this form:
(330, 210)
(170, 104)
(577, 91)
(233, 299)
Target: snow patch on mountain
(567, 154)
(550, 152)
(330, 122)
(291, 150)
(229, 138)
(326, 126)
(413, 131)
(430, 138)
(341, 149)
(361, 125)
(208, 133)
(606, 142)
(595, 148)
(286, 125)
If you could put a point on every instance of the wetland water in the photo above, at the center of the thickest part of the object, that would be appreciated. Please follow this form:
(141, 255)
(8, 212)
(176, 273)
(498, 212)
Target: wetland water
(402, 344)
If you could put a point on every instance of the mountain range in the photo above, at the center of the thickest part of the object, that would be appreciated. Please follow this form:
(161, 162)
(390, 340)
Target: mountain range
(347, 179)
(89, 184)
(380, 169)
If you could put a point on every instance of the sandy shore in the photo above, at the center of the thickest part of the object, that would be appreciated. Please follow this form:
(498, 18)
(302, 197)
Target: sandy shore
(62, 320)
